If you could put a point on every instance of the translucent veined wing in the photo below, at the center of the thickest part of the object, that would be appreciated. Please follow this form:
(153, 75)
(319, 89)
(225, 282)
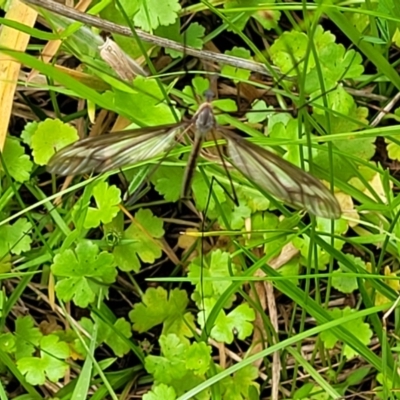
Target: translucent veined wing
(107, 152)
(281, 178)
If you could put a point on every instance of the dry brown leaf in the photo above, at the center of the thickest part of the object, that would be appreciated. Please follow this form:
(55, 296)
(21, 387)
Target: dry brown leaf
(9, 67)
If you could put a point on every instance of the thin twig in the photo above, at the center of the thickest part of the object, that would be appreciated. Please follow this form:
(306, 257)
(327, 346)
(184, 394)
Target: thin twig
(147, 37)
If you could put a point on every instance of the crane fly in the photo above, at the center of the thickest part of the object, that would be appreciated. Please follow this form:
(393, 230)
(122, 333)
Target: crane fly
(270, 172)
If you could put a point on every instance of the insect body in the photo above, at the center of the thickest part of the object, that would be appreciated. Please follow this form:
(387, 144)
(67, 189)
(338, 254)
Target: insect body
(267, 170)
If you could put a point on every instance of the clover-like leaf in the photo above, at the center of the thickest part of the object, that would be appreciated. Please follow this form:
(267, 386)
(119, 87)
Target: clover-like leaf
(349, 118)
(393, 149)
(83, 273)
(291, 48)
(237, 216)
(343, 283)
(168, 182)
(202, 196)
(107, 199)
(171, 365)
(28, 131)
(107, 334)
(50, 363)
(161, 391)
(198, 87)
(238, 386)
(156, 308)
(237, 74)
(51, 135)
(363, 330)
(198, 358)
(141, 241)
(15, 238)
(176, 366)
(253, 198)
(17, 162)
(192, 36)
(117, 344)
(257, 114)
(239, 320)
(150, 14)
(7, 342)
(215, 266)
(145, 102)
(27, 337)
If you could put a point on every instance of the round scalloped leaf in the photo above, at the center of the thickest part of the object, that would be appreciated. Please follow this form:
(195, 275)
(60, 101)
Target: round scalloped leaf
(51, 135)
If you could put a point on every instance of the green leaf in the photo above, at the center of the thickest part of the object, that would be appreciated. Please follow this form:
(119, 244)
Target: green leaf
(343, 283)
(145, 102)
(227, 105)
(49, 364)
(363, 330)
(51, 135)
(112, 13)
(237, 74)
(239, 320)
(161, 391)
(83, 274)
(27, 337)
(107, 199)
(266, 17)
(239, 214)
(256, 115)
(356, 376)
(202, 195)
(219, 268)
(117, 344)
(343, 103)
(172, 32)
(238, 386)
(253, 198)
(29, 130)
(198, 87)
(171, 365)
(362, 148)
(168, 182)
(271, 240)
(106, 334)
(198, 358)
(217, 265)
(150, 14)
(194, 35)
(191, 37)
(142, 237)
(15, 238)
(289, 51)
(393, 149)
(396, 37)
(8, 342)
(17, 162)
(156, 308)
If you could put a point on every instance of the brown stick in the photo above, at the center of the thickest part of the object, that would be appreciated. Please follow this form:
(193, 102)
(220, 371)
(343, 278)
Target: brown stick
(147, 37)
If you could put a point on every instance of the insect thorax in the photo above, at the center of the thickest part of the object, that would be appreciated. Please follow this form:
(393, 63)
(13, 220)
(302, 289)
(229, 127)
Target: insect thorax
(204, 119)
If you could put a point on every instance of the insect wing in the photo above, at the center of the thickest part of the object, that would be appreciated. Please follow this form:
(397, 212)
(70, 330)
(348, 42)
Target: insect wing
(281, 178)
(104, 153)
